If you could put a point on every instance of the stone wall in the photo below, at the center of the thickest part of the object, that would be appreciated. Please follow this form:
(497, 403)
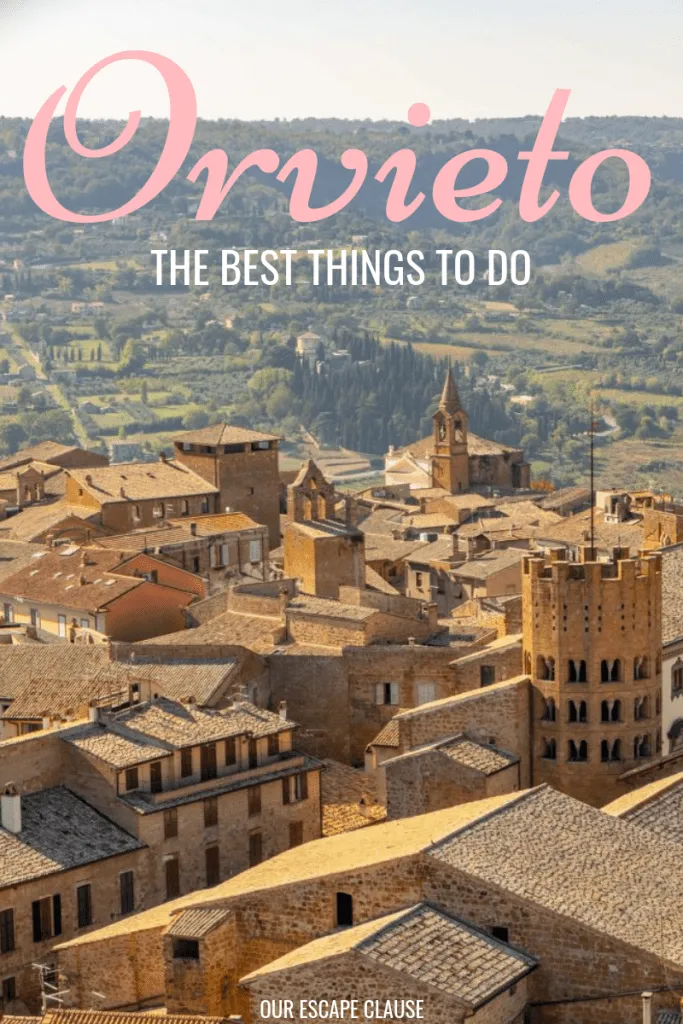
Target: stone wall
(429, 780)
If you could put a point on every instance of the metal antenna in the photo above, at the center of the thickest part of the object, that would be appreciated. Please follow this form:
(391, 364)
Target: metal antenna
(592, 480)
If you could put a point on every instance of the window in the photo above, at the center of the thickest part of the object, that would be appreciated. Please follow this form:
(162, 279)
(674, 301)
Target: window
(610, 711)
(677, 678)
(545, 667)
(6, 931)
(294, 789)
(418, 580)
(610, 751)
(640, 709)
(230, 751)
(253, 754)
(135, 511)
(426, 692)
(185, 949)
(171, 823)
(213, 865)
(500, 932)
(207, 761)
(195, 564)
(84, 905)
(610, 671)
(296, 833)
(254, 800)
(273, 744)
(132, 780)
(210, 812)
(127, 890)
(172, 870)
(487, 675)
(549, 750)
(186, 762)
(255, 849)
(9, 990)
(578, 751)
(85, 623)
(184, 507)
(35, 618)
(254, 550)
(155, 778)
(47, 917)
(641, 746)
(386, 693)
(641, 669)
(61, 625)
(578, 711)
(549, 710)
(344, 913)
(576, 671)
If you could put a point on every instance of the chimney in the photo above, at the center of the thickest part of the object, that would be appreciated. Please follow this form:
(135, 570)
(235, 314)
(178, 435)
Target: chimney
(647, 1007)
(122, 492)
(88, 478)
(285, 598)
(432, 610)
(162, 457)
(82, 580)
(411, 641)
(282, 709)
(10, 809)
(193, 529)
(350, 512)
(93, 713)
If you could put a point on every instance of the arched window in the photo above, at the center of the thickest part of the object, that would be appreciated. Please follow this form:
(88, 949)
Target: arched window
(640, 668)
(610, 671)
(184, 507)
(549, 710)
(641, 746)
(578, 751)
(549, 750)
(604, 750)
(545, 667)
(578, 711)
(640, 709)
(610, 751)
(577, 671)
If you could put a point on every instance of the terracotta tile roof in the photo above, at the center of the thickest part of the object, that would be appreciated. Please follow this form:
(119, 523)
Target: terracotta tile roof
(575, 530)
(475, 446)
(482, 757)
(489, 563)
(194, 924)
(223, 433)
(59, 831)
(385, 549)
(374, 581)
(559, 498)
(155, 729)
(388, 736)
(672, 593)
(426, 945)
(140, 481)
(303, 605)
(31, 523)
(115, 1017)
(43, 452)
(343, 789)
(15, 555)
(257, 633)
(60, 578)
(574, 860)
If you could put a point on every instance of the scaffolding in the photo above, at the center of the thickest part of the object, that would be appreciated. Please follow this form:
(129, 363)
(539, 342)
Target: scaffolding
(52, 990)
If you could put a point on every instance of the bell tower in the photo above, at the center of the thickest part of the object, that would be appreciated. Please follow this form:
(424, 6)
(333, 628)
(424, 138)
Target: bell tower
(450, 466)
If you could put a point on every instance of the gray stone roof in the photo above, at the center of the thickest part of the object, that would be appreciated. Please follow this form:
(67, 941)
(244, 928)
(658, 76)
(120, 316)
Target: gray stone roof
(661, 814)
(59, 831)
(479, 756)
(154, 729)
(438, 950)
(577, 861)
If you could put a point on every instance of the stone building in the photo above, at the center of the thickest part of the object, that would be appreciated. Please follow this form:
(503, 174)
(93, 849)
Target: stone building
(422, 950)
(218, 546)
(672, 648)
(241, 466)
(190, 796)
(321, 551)
(70, 590)
(592, 646)
(137, 494)
(454, 459)
(539, 872)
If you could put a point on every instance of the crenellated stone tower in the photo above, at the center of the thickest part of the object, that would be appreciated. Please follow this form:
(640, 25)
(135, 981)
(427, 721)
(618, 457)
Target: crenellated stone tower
(592, 646)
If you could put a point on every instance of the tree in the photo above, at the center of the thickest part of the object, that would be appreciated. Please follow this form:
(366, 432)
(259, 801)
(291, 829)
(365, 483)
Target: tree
(12, 436)
(195, 419)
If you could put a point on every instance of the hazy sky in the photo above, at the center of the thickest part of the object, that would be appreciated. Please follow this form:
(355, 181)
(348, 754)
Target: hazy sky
(351, 58)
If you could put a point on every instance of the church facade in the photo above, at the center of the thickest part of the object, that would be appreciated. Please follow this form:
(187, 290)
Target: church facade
(454, 459)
